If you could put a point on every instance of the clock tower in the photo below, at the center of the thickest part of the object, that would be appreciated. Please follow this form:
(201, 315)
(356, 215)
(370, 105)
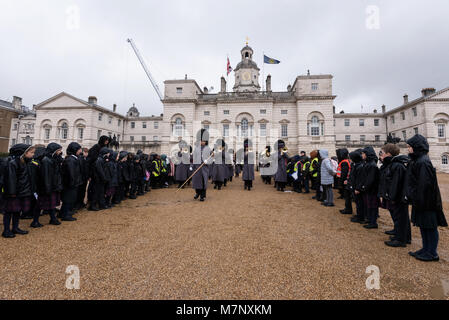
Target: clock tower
(246, 72)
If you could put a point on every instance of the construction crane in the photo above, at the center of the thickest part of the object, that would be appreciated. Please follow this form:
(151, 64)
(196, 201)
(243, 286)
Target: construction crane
(147, 71)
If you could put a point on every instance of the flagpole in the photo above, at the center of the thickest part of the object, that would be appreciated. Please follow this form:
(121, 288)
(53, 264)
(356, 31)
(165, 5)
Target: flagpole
(263, 72)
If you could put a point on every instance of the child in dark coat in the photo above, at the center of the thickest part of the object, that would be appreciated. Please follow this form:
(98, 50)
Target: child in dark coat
(355, 183)
(18, 190)
(343, 172)
(369, 187)
(121, 165)
(84, 165)
(72, 178)
(50, 183)
(424, 195)
(35, 170)
(112, 171)
(99, 181)
(392, 195)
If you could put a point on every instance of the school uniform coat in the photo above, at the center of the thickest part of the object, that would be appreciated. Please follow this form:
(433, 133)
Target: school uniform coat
(17, 181)
(370, 181)
(422, 187)
(200, 179)
(72, 176)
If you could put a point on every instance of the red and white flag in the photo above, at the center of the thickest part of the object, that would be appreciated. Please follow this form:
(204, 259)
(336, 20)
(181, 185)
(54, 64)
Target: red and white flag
(229, 68)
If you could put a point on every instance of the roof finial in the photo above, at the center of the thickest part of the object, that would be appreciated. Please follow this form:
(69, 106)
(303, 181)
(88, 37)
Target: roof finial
(247, 39)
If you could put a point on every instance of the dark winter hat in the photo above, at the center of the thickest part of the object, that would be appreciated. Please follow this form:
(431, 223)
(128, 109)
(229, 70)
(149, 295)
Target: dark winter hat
(419, 144)
(104, 152)
(73, 148)
(247, 143)
(370, 153)
(103, 139)
(356, 156)
(123, 154)
(19, 149)
(39, 153)
(52, 148)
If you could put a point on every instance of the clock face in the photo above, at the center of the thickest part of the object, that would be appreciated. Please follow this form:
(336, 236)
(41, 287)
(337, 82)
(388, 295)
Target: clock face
(246, 76)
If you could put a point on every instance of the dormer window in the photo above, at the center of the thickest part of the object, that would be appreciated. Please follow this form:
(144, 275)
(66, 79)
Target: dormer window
(247, 55)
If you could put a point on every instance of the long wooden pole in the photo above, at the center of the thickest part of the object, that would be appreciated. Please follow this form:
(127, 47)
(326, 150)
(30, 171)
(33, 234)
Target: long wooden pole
(195, 172)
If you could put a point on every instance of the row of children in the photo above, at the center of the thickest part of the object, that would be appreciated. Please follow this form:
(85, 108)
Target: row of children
(401, 181)
(34, 181)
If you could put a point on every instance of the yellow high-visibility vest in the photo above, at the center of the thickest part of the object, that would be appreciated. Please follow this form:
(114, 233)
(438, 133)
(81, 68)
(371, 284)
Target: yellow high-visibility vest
(311, 167)
(156, 171)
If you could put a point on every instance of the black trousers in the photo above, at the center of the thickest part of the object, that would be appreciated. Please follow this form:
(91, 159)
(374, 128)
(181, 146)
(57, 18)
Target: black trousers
(98, 195)
(430, 238)
(81, 194)
(133, 189)
(297, 185)
(305, 184)
(7, 217)
(359, 207)
(348, 200)
(69, 198)
(401, 220)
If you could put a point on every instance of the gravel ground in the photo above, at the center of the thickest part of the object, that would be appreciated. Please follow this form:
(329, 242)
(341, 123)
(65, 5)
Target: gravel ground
(260, 244)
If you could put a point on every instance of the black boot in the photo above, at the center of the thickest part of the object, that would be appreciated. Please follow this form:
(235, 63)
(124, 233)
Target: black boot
(15, 225)
(53, 220)
(36, 224)
(8, 234)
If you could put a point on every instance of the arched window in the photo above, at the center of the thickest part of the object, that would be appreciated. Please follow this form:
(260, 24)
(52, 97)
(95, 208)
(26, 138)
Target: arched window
(178, 127)
(27, 140)
(315, 126)
(64, 131)
(244, 127)
(444, 159)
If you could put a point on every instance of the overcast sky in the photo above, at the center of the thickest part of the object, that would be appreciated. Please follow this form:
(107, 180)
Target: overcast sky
(46, 47)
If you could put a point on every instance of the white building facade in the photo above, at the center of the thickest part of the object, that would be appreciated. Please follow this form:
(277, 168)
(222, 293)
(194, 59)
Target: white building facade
(303, 116)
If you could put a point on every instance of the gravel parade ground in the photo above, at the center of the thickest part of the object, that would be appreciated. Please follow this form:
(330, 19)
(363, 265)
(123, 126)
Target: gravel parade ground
(259, 244)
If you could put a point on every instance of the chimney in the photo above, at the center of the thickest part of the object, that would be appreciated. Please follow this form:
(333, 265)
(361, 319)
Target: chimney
(223, 85)
(375, 110)
(185, 77)
(383, 108)
(289, 87)
(92, 100)
(114, 108)
(206, 91)
(427, 91)
(405, 98)
(268, 83)
(17, 103)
